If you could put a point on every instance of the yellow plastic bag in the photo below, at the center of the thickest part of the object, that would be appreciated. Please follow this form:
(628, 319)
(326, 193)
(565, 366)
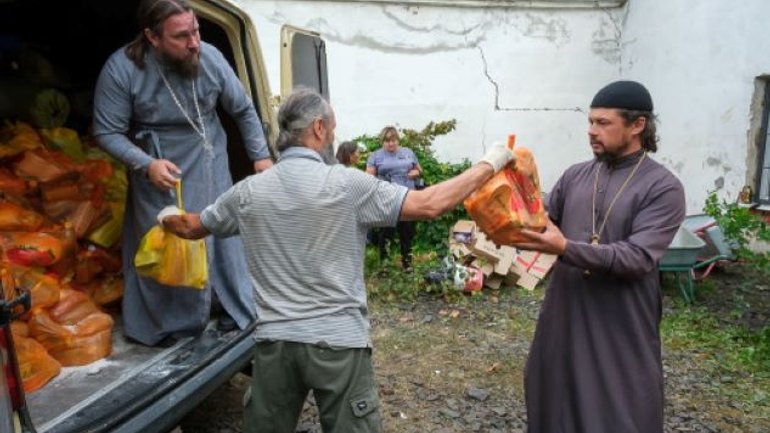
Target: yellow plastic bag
(171, 260)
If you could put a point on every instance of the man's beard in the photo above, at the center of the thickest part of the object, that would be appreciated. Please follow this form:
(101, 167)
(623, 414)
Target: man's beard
(327, 153)
(610, 157)
(187, 68)
(605, 157)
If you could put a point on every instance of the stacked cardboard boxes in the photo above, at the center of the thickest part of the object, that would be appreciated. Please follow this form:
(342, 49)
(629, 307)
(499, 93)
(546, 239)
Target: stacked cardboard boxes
(500, 266)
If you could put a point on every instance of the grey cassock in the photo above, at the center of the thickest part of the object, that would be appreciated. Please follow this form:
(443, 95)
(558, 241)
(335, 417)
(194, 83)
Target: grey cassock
(595, 362)
(137, 120)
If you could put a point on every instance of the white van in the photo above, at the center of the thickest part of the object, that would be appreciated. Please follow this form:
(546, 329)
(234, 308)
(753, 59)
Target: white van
(137, 388)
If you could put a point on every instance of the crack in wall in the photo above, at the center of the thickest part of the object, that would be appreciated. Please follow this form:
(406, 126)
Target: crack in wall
(496, 87)
(609, 47)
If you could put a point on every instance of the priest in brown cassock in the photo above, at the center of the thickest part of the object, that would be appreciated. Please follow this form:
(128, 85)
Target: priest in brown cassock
(595, 362)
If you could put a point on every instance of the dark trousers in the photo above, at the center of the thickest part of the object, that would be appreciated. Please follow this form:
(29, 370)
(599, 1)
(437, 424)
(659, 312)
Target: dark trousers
(406, 231)
(342, 381)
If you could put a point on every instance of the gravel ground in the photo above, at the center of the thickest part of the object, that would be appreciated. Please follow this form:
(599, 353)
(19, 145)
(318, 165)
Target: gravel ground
(458, 368)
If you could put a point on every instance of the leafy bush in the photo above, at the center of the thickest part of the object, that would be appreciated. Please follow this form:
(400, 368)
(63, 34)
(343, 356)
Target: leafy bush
(739, 226)
(430, 235)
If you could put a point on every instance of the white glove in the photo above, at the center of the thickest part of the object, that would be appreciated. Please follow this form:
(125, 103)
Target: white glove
(168, 211)
(498, 156)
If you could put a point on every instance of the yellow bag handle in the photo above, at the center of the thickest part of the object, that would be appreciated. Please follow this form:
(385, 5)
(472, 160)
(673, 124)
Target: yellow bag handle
(178, 188)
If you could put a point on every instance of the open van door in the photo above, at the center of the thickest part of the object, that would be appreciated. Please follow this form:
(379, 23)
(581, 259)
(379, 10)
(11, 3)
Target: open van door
(303, 61)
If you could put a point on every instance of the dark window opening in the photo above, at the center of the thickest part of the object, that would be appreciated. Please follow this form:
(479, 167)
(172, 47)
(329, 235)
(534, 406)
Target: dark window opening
(308, 59)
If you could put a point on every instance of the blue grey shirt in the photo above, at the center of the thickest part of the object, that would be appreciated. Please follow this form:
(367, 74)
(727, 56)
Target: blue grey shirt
(394, 166)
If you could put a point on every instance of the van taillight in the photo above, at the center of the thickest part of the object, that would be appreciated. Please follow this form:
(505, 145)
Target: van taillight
(14, 387)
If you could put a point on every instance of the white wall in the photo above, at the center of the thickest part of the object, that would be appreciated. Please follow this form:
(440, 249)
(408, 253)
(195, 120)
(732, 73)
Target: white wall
(393, 64)
(700, 60)
(533, 72)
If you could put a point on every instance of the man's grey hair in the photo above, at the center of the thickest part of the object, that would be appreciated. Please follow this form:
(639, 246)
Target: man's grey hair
(297, 114)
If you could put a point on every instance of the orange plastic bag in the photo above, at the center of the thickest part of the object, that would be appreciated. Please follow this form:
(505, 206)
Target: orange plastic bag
(73, 306)
(16, 218)
(171, 260)
(106, 290)
(18, 137)
(44, 289)
(36, 366)
(10, 184)
(34, 249)
(82, 343)
(509, 201)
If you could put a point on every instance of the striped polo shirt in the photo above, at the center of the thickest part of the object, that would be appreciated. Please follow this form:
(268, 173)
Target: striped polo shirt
(303, 225)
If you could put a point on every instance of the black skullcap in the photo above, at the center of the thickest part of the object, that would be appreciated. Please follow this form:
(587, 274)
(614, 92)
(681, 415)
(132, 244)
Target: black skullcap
(629, 95)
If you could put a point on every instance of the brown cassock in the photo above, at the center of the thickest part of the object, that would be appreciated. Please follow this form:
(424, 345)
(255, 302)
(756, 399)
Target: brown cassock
(595, 362)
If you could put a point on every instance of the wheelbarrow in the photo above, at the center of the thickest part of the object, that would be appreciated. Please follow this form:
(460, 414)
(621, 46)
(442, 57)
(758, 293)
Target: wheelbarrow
(698, 246)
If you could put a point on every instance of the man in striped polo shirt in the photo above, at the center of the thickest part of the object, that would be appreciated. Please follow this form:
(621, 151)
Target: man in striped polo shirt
(303, 224)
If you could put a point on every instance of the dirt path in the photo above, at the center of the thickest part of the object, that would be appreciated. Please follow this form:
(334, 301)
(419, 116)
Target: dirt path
(459, 368)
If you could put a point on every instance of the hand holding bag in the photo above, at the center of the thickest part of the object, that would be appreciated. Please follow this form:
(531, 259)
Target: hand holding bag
(171, 260)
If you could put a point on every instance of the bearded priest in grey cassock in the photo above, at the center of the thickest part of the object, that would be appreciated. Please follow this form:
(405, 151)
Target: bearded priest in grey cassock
(595, 361)
(155, 110)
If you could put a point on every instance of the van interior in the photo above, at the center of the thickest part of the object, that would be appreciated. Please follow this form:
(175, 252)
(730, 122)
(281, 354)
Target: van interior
(64, 44)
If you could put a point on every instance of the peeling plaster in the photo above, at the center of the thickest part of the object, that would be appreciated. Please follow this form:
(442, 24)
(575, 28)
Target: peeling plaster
(607, 39)
(713, 161)
(553, 30)
(444, 36)
(719, 182)
(438, 27)
(465, 39)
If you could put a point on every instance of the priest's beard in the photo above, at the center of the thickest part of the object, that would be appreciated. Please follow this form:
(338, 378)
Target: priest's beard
(187, 68)
(610, 157)
(606, 157)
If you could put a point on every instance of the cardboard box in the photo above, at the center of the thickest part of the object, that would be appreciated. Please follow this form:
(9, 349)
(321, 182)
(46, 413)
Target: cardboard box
(459, 250)
(484, 247)
(542, 265)
(504, 263)
(528, 281)
(486, 267)
(463, 231)
(534, 263)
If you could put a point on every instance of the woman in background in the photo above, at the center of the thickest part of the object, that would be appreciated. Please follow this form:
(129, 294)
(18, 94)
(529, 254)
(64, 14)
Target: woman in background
(348, 154)
(398, 165)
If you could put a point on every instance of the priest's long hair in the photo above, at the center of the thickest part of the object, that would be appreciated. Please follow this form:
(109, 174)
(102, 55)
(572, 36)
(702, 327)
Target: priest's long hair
(649, 135)
(150, 15)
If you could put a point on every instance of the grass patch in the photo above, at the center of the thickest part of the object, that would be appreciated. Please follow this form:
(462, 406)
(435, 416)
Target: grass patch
(734, 359)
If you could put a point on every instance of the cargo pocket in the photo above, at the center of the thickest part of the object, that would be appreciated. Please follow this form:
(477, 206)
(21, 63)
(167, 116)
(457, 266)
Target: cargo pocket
(364, 407)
